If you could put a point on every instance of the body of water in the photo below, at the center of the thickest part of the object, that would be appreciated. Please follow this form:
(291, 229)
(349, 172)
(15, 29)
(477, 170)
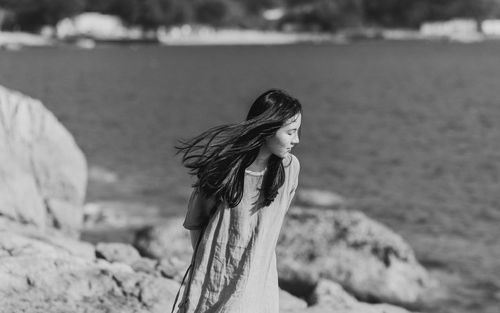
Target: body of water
(408, 131)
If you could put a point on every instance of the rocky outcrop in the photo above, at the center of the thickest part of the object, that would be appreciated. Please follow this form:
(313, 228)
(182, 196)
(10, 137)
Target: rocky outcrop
(168, 267)
(169, 243)
(40, 273)
(317, 245)
(365, 257)
(290, 303)
(43, 177)
(167, 240)
(17, 40)
(329, 296)
(43, 173)
(117, 252)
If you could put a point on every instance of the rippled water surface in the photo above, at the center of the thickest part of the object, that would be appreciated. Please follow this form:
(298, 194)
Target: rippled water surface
(407, 130)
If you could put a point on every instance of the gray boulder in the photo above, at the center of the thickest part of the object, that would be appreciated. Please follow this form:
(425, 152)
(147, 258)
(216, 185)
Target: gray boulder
(329, 296)
(170, 244)
(29, 241)
(315, 244)
(117, 252)
(167, 240)
(172, 267)
(43, 173)
(43, 176)
(288, 302)
(40, 274)
(365, 257)
(146, 265)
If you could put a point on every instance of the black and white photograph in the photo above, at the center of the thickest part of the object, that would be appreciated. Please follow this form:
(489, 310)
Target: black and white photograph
(249, 156)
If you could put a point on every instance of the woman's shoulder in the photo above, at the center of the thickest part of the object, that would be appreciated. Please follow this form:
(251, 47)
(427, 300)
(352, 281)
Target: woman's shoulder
(291, 162)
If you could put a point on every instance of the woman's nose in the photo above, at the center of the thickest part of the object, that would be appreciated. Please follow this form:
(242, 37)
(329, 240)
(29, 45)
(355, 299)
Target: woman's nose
(296, 140)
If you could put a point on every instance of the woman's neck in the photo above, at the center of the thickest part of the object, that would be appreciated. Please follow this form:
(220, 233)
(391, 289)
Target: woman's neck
(260, 162)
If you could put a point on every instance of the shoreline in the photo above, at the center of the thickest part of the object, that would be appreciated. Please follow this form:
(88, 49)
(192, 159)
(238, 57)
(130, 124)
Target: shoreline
(188, 36)
(16, 40)
(202, 37)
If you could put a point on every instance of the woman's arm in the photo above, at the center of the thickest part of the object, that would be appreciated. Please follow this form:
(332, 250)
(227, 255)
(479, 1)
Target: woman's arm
(195, 234)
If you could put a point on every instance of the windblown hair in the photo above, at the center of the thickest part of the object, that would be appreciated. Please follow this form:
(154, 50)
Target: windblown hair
(220, 155)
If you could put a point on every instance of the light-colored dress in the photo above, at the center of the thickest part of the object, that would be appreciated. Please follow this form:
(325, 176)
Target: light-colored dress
(235, 265)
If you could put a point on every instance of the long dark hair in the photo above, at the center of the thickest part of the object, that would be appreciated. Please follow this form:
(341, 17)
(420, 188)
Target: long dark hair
(220, 155)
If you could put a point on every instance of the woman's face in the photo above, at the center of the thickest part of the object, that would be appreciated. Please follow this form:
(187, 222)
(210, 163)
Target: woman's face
(282, 142)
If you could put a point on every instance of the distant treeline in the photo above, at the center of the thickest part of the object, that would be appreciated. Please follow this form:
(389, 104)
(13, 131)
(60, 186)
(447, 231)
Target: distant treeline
(316, 15)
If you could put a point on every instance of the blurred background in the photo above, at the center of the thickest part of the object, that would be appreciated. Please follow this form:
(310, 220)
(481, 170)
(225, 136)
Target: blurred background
(400, 105)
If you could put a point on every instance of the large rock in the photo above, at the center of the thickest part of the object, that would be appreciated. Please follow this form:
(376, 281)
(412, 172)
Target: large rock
(117, 252)
(288, 302)
(43, 173)
(170, 244)
(365, 257)
(167, 240)
(40, 274)
(329, 296)
(29, 241)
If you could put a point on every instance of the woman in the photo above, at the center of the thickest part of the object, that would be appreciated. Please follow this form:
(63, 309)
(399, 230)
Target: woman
(246, 180)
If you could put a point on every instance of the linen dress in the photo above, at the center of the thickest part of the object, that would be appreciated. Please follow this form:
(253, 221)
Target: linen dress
(235, 265)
